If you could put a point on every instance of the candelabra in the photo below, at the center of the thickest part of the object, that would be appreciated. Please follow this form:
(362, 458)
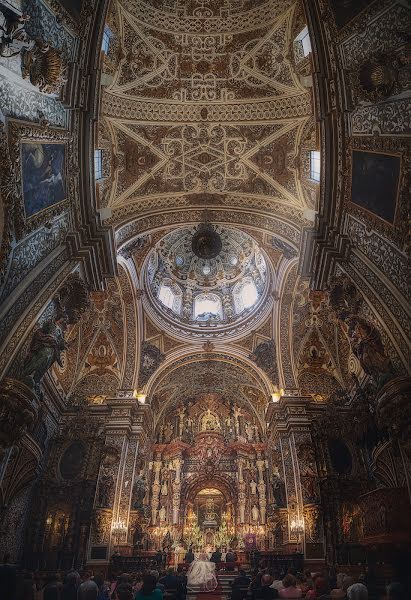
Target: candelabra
(119, 531)
(297, 529)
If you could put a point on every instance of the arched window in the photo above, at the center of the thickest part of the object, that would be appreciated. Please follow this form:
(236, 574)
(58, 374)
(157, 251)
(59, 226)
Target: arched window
(170, 296)
(207, 307)
(245, 295)
(302, 44)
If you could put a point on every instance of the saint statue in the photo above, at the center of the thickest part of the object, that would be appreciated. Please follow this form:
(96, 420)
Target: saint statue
(162, 514)
(253, 487)
(168, 433)
(46, 347)
(249, 430)
(209, 422)
(255, 513)
(140, 489)
(164, 488)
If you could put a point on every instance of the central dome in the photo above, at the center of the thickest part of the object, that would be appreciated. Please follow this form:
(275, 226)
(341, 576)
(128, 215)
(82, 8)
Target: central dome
(207, 277)
(206, 242)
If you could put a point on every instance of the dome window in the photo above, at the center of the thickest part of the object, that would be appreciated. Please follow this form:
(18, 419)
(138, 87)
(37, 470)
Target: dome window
(245, 295)
(169, 298)
(207, 307)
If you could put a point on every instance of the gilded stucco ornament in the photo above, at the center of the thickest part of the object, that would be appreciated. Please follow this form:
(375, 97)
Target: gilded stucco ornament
(43, 65)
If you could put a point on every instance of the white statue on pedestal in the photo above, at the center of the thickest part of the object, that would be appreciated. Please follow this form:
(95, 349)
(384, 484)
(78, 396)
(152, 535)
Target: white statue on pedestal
(255, 513)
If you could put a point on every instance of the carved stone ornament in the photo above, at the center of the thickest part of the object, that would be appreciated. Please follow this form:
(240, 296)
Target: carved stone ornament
(18, 411)
(13, 36)
(110, 455)
(265, 357)
(382, 76)
(151, 359)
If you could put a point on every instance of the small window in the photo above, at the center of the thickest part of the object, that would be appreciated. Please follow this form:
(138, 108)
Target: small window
(315, 165)
(166, 296)
(207, 306)
(304, 40)
(107, 35)
(98, 164)
(249, 294)
(245, 295)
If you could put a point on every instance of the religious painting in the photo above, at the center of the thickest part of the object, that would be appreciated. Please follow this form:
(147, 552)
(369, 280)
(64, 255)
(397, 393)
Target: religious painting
(43, 175)
(375, 183)
(352, 522)
(72, 461)
(346, 10)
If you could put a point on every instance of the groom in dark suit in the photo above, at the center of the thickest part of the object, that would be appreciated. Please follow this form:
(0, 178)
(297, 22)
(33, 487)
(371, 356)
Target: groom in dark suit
(216, 556)
(189, 557)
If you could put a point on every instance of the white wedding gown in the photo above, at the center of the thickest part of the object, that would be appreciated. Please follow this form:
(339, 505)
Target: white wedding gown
(201, 574)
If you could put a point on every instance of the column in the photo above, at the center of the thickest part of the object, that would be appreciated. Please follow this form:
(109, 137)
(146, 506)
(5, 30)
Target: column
(112, 503)
(155, 490)
(241, 492)
(261, 466)
(177, 463)
(291, 417)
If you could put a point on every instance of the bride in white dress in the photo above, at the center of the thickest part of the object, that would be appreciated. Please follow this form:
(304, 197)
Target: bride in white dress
(201, 574)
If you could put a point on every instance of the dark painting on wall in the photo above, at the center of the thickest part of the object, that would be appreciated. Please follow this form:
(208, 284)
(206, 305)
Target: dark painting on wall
(72, 461)
(346, 10)
(73, 7)
(43, 175)
(375, 180)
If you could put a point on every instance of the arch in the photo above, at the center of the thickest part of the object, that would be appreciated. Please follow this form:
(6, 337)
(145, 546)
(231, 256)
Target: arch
(191, 487)
(246, 374)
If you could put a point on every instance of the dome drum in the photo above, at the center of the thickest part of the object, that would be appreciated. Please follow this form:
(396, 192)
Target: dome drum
(207, 277)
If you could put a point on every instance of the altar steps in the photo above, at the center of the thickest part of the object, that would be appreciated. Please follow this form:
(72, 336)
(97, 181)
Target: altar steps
(222, 592)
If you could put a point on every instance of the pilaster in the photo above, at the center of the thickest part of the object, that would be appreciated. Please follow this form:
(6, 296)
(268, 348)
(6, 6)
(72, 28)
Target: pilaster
(125, 422)
(292, 420)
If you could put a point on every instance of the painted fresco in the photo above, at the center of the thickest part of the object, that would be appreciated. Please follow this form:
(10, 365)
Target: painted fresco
(375, 179)
(43, 176)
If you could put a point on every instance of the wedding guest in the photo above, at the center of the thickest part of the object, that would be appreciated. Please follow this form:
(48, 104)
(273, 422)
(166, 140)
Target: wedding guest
(290, 589)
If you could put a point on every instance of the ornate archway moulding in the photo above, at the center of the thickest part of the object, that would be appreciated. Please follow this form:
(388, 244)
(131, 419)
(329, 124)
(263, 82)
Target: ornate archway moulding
(254, 380)
(258, 221)
(218, 481)
(163, 203)
(227, 352)
(283, 326)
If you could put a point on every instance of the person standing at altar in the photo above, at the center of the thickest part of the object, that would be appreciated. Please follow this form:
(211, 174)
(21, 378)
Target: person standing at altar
(189, 557)
(230, 558)
(216, 556)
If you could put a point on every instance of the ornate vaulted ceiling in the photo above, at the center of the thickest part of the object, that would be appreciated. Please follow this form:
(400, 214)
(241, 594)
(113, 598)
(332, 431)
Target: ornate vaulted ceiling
(204, 100)
(207, 114)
